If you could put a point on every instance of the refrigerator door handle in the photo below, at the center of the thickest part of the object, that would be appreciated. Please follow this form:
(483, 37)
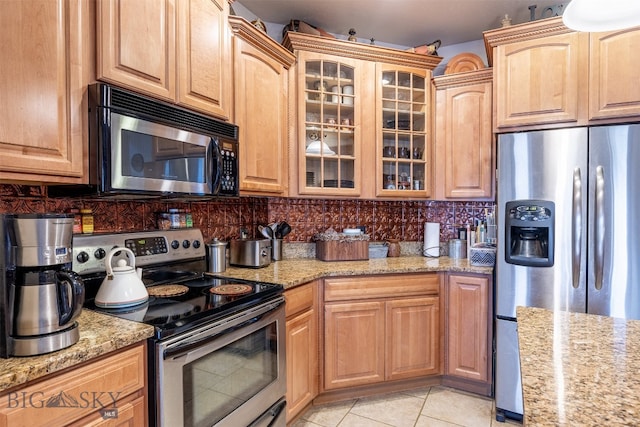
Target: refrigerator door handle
(576, 231)
(599, 228)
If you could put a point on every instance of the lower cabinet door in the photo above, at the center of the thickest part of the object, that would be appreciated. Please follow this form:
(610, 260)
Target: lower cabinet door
(302, 361)
(468, 318)
(413, 337)
(354, 344)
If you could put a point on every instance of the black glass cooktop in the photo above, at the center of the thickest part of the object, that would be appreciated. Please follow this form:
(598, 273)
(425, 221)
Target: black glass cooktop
(204, 299)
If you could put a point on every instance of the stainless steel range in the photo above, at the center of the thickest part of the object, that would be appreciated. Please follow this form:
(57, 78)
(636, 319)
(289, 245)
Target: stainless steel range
(218, 354)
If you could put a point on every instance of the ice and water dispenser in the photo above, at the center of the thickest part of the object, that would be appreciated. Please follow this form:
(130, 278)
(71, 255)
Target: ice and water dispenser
(529, 232)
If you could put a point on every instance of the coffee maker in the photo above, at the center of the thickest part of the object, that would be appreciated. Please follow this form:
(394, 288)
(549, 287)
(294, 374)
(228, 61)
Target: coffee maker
(529, 233)
(40, 296)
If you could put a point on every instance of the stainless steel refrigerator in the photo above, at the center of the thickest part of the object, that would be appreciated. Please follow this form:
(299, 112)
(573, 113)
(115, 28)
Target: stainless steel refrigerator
(569, 216)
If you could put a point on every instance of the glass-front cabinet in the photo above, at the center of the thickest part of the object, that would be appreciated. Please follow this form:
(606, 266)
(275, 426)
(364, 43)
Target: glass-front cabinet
(330, 150)
(363, 119)
(403, 129)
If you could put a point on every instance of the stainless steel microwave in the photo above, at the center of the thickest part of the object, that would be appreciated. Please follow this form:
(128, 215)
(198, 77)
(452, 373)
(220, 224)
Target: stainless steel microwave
(143, 147)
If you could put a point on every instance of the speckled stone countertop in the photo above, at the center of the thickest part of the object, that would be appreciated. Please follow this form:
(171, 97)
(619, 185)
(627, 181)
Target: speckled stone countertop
(579, 369)
(290, 273)
(99, 334)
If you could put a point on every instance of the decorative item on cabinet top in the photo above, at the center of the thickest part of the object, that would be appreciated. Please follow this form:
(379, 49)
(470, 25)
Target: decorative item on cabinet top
(464, 62)
(297, 25)
(427, 49)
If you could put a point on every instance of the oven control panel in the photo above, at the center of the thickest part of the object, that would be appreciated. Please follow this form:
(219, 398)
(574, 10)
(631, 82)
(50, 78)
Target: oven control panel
(149, 247)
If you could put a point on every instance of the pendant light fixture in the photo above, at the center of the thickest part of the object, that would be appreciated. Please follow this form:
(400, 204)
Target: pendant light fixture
(601, 15)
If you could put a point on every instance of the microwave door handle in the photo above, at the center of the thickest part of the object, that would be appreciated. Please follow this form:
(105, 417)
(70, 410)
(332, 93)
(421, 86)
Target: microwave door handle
(214, 154)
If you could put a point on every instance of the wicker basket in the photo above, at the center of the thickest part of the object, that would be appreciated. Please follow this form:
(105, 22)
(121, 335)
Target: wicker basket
(482, 256)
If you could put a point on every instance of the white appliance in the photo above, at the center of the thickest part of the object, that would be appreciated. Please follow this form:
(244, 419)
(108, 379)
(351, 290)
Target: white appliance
(578, 190)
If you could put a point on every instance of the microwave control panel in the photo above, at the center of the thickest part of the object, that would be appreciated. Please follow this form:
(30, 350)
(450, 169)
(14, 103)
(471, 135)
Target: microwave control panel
(229, 173)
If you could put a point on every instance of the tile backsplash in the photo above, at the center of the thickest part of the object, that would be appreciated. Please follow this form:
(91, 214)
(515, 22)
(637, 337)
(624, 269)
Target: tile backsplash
(223, 218)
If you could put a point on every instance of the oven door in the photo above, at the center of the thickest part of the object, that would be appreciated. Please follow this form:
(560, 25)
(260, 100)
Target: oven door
(151, 157)
(229, 373)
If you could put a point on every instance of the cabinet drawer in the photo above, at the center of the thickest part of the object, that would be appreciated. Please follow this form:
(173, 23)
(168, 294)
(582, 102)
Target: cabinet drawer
(384, 286)
(68, 397)
(300, 298)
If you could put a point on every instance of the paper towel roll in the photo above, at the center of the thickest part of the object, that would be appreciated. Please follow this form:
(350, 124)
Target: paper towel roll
(431, 246)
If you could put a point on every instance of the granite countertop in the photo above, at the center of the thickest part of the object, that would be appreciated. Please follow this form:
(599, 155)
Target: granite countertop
(293, 272)
(99, 334)
(579, 369)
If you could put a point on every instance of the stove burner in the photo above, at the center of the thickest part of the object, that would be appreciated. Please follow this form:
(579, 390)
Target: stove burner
(166, 291)
(231, 289)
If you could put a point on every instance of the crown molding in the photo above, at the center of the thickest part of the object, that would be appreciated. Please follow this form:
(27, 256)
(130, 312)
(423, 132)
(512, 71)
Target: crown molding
(242, 28)
(356, 50)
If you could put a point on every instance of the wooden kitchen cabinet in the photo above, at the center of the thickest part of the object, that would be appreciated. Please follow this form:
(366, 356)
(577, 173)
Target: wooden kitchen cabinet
(92, 386)
(351, 98)
(464, 141)
(468, 333)
(261, 84)
(302, 342)
(380, 328)
(404, 135)
(47, 50)
(408, 322)
(540, 75)
(614, 92)
(547, 76)
(178, 51)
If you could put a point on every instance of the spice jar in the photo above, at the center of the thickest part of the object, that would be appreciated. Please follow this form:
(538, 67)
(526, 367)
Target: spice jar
(394, 247)
(77, 221)
(87, 221)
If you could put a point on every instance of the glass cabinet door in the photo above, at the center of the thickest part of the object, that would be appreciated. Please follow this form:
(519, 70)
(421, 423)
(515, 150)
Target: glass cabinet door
(330, 158)
(404, 143)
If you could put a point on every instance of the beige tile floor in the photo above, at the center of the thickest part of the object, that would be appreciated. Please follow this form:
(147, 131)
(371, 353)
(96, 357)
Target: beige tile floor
(424, 407)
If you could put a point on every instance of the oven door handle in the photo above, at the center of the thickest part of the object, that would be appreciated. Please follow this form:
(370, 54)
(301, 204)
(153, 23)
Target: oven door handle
(190, 350)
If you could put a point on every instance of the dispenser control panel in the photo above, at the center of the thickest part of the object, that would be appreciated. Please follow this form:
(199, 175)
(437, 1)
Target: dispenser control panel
(530, 213)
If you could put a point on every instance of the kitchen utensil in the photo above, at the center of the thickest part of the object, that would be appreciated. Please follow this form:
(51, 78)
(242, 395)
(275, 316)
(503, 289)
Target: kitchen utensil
(123, 285)
(283, 229)
(267, 232)
(264, 231)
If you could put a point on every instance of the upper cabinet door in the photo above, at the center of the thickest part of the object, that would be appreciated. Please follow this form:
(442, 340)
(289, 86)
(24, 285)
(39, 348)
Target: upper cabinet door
(541, 81)
(614, 89)
(136, 45)
(47, 63)
(204, 64)
(330, 146)
(403, 132)
(261, 82)
(464, 139)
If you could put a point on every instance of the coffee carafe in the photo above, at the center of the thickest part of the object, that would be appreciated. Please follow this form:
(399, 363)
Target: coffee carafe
(41, 296)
